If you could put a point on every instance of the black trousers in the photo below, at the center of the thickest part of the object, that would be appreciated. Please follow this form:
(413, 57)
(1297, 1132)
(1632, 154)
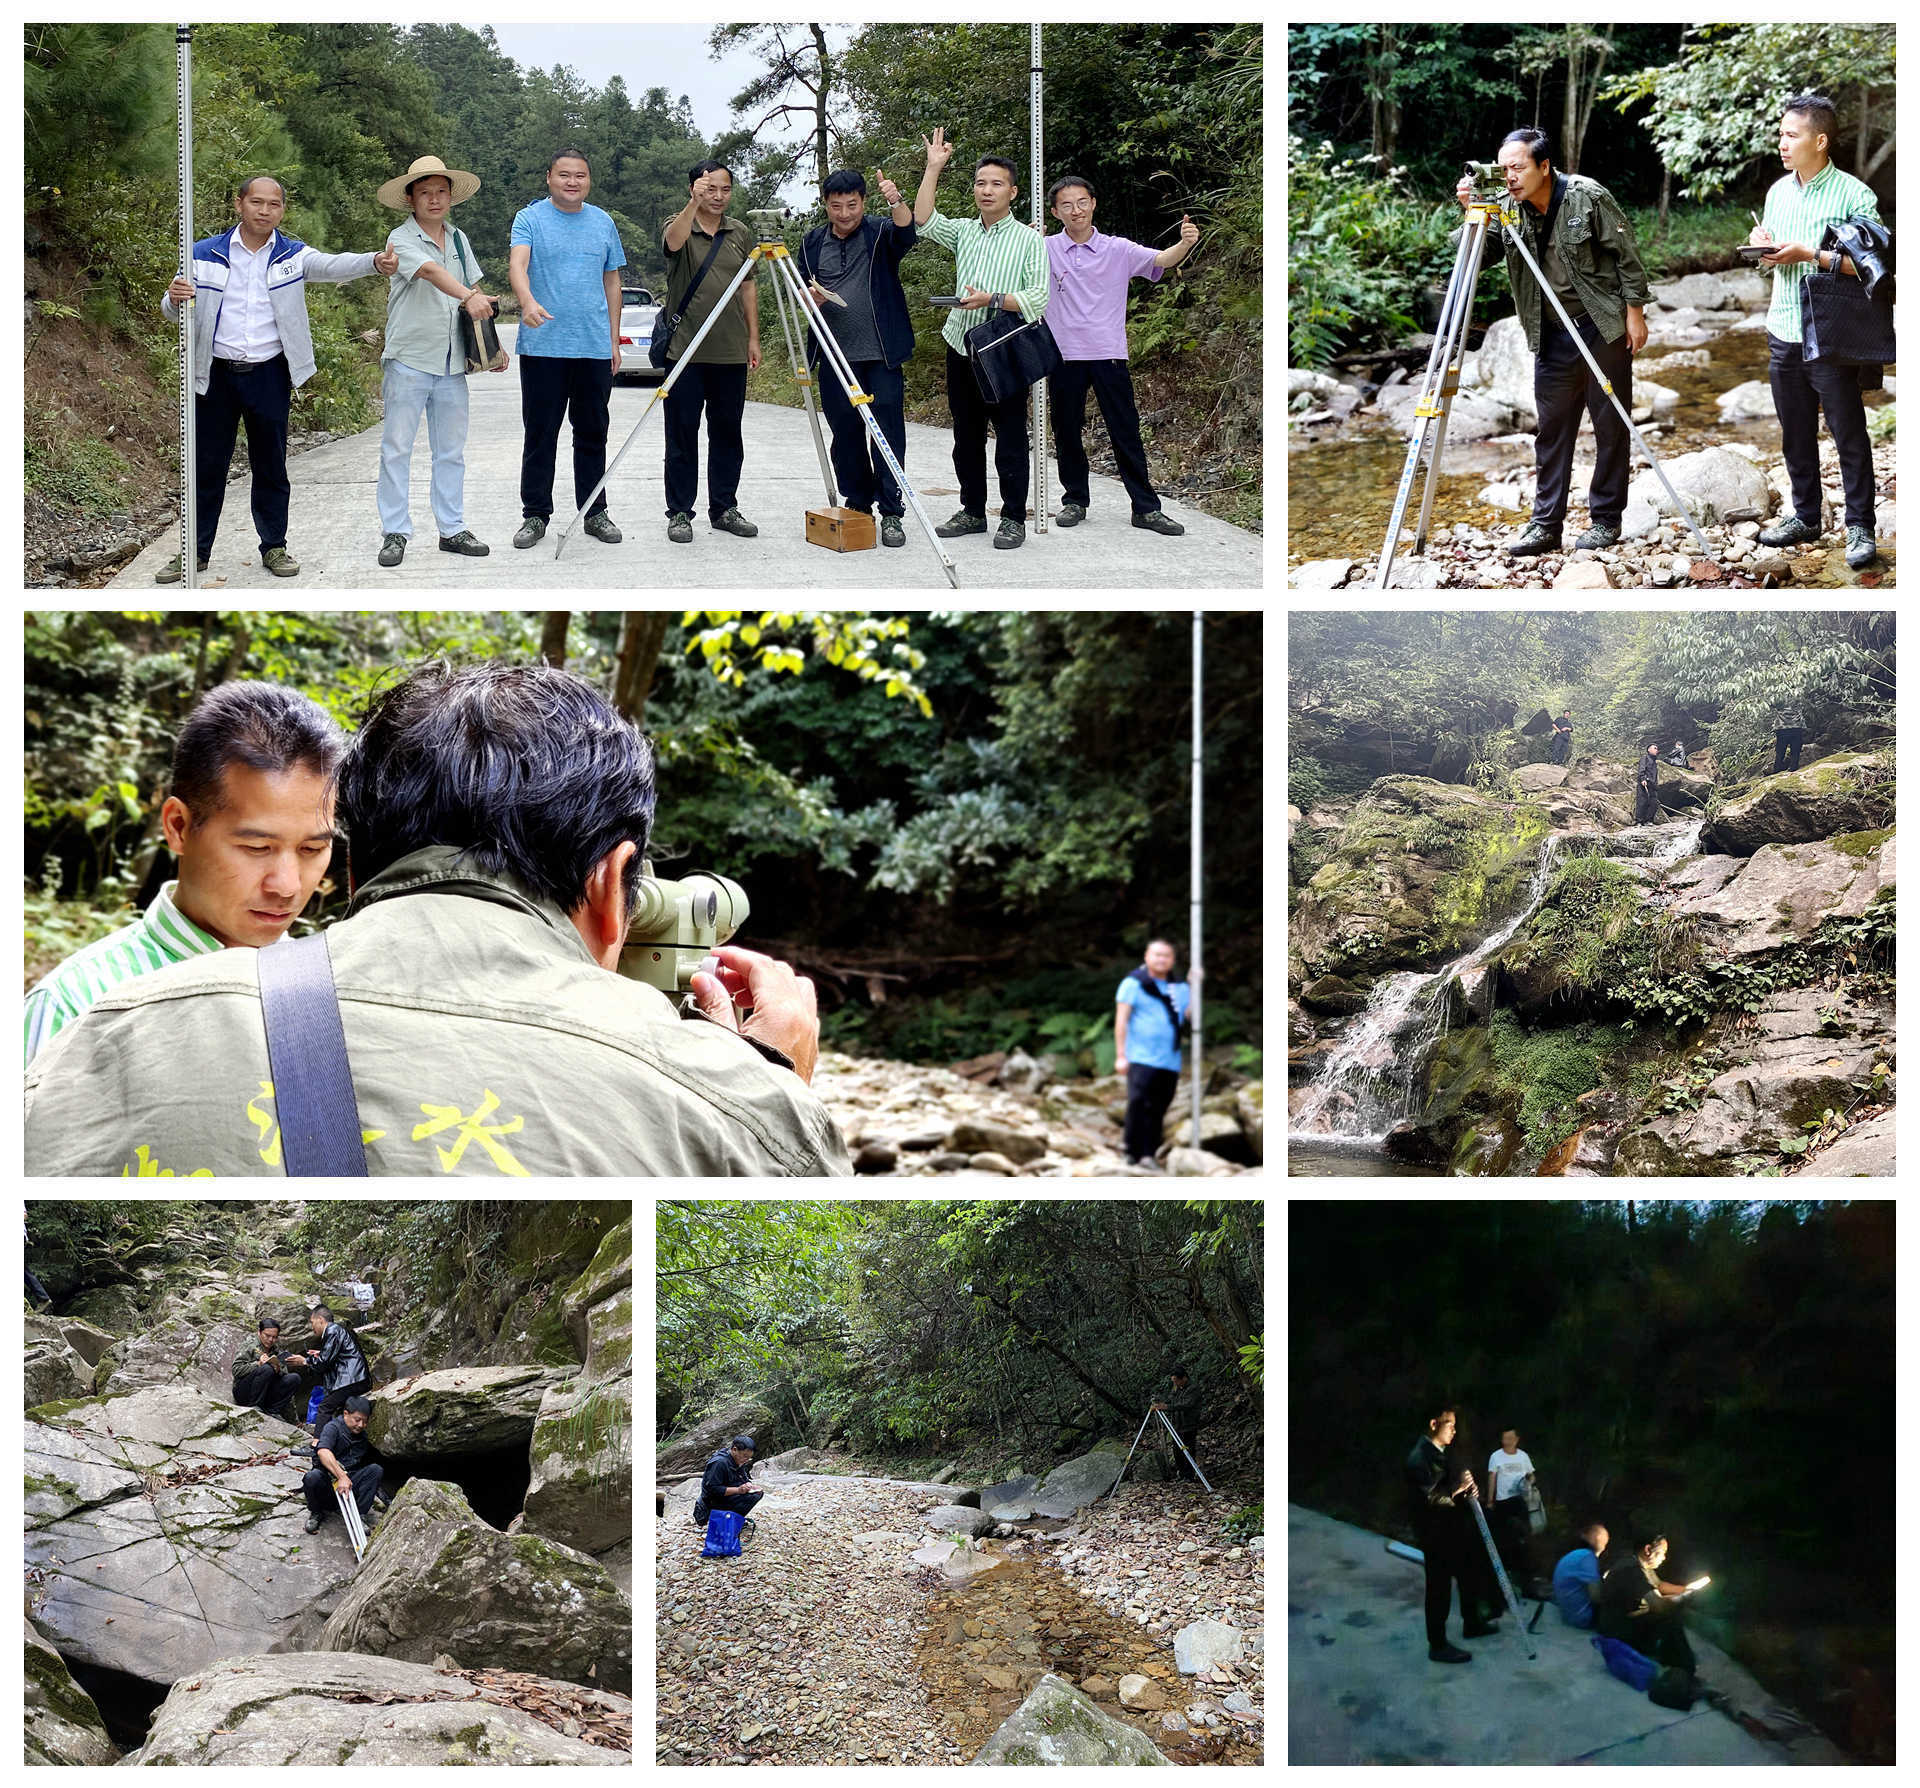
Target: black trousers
(721, 392)
(36, 1290)
(859, 471)
(1511, 1527)
(1559, 750)
(317, 1487)
(1786, 748)
(1149, 1093)
(264, 1387)
(1112, 388)
(1646, 804)
(1658, 1634)
(1449, 1561)
(1011, 457)
(1563, 387)
(553, 389)
(262, 399)
(1802, 388)
(335, 1401)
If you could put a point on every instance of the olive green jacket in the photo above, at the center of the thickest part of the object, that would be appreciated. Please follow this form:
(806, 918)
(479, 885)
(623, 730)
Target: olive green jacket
(1601, 256)
(484, 1040)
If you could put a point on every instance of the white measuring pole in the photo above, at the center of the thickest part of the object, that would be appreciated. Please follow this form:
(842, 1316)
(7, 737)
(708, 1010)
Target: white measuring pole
(189, 482)
(1035, 164)
(1193, 879)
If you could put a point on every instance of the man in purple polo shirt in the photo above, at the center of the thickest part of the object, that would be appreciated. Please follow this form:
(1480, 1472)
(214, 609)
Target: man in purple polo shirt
(1087, 312)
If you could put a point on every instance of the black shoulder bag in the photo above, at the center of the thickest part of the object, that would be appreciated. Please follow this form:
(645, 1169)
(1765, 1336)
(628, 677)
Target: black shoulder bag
(1010, 353)
(1838, 321)
(664, 325)
(307, 1057)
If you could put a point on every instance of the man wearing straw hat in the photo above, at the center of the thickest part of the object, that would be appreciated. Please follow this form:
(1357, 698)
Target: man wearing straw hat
(423, 369)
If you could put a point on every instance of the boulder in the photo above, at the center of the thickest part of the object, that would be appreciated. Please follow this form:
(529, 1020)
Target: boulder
(1536, 777)
(117, 1309)
(54, 1372)
(1320, 574)
(1220, 1134)
(1503, 372)
(1582, 574)
(1058, 1725)
(1012, 1500)
(950, 1519)
(437, 1580)
(1072, 1486)
(598, 1306)
(1749, 401)
(63, 1726)
(85, 1340)
(1703, 291)
(1020, 1073)
(1843, 793)
(1586, 1154)
(1333, 997)
(1712, 482)
(1863, 1152)
(463, 1410)
(876, 1157)
(1196, 1164)
(1416, 574)
(580, 1491)
(987, 1161)
(170, 1531)
(1206, 1643)
(1660, 400)
(273, 1712)
(794, 1459)
(1687, 790)
(956, 1560)
(1783, 892)
(1249, 1106)
(976, 1136)
(193, 1346)
(1314, 384)
(691, 1451)
(1142, 1692)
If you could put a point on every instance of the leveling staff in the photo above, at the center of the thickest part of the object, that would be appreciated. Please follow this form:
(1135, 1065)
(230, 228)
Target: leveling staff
(1582, 242)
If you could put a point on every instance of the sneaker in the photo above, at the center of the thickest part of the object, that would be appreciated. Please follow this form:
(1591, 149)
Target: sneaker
(1071, 515)
(1009, 534)
(1537, 538)
(1791, 532)
(465, 544)
(169, 573)
(393, 548)
(1449, 1654)
(600, 526)
(1157, 521)
(1596, 537)
(680, 528)
(892, 532)
(731, 521)
(961, 522)
(1861, 551)
(280, 562)
(531, 529)
(313, 1524)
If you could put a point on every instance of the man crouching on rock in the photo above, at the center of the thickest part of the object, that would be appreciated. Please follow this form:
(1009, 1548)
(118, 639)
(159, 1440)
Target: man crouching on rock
(1581, 240)
(343, 1462)
(264, 1377)
(724, 1484)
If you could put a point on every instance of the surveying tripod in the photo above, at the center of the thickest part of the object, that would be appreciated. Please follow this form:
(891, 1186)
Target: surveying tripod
(1443, 374)
(356, 1528)
(1161, 1414)
(798, 313)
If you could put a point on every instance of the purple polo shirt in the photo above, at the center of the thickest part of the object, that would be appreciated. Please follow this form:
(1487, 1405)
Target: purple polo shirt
(1087, 308)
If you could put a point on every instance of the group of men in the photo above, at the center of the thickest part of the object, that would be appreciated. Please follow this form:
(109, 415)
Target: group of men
(253, 347)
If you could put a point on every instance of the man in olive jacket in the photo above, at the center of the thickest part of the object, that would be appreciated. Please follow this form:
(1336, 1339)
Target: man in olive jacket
(1581, 240)
(496, 818)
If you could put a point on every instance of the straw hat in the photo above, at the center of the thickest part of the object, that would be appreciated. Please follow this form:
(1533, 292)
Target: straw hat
(394, 193)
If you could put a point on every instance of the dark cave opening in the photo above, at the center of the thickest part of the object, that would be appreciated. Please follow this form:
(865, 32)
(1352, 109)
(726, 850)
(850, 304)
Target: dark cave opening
(127, 1703)
(495, 1483)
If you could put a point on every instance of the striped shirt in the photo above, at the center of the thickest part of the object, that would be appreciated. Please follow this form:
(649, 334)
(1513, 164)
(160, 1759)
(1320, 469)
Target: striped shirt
(1797, 213)
(1010, 257)
(160, 937)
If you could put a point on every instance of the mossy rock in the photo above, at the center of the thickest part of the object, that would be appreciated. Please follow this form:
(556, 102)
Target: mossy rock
(1849, 792)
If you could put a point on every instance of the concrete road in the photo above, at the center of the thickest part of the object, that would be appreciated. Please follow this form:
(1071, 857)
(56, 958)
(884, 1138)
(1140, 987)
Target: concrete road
(334, 531)
(1360, 1688)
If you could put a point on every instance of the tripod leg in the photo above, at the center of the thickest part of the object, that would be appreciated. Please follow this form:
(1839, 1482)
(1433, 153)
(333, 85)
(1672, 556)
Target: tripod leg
(783, 275)
(1455, 320)
(1115, 1485)
(1167, 1421)
(1500, 1574)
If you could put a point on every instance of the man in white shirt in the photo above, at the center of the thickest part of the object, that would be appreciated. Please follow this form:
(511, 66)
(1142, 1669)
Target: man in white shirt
(1509, 1476)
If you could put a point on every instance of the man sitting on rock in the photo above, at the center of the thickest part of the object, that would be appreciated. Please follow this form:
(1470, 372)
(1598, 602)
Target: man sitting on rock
(263, 1377)
(343, 1463)
(340, 1364)
(724, 1485)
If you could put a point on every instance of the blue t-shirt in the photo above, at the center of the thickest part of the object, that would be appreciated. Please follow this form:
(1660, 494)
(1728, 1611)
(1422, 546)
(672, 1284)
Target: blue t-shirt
(572, 252)
(1151, 1039)
(1570, 1578)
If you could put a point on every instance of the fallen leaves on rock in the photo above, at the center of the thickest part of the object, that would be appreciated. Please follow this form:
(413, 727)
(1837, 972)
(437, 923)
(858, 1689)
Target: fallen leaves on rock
(593, 1716)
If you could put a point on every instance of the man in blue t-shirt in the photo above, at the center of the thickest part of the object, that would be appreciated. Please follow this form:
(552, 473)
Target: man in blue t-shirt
(563, 261)
(1150, 1011)
(1576, 1578)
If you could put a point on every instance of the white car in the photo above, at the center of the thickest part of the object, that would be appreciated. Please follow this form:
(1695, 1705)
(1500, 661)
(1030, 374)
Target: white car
(638, 308)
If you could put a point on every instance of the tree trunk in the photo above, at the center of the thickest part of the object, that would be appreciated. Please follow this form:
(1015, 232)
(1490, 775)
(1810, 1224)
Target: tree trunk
(1666, 192)
(642, 633)
(1036, 1339)
(553, 637)
(820, 104)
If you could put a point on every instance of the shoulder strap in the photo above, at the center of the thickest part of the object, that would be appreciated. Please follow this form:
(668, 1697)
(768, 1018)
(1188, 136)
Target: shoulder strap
(460, 248)
(1153, 987)
(679, 316)
(307, 1056)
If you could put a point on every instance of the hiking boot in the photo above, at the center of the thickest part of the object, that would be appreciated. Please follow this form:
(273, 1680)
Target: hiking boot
(169, 573)
(1791, 532)
(1157, 521)
(280, 562)
(313, 1524)
(1071, 515)
(1537, 538)
(961, 522)
(1596, 537)
(393, 548)
(680, 528)
(1861, 551)
(1449, 1654)
(1009, 534)
(465, 543)
(531, 529)
(600, 526)
(700, 1514)
(731, 521)
(892, 533)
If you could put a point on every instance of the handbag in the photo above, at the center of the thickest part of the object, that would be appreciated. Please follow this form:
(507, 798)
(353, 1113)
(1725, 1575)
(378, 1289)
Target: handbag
(1010, 352)
(1839, 323)
(479, 340)
(664, 325)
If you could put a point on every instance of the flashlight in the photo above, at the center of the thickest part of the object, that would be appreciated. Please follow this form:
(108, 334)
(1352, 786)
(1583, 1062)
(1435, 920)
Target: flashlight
(1698, 1583)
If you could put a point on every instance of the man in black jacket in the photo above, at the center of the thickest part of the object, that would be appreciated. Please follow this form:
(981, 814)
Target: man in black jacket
(339, 1364)
(1441, 1529)
(724, 1484)
(1562, 747)
(1646, 788)
(263, 1377)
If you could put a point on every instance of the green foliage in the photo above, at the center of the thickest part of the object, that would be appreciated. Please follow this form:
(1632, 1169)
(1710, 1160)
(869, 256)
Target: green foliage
(1245, 1522)
(1549, 1068)
(1881, 425)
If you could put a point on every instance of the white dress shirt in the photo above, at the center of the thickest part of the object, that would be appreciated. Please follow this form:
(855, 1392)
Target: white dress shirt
(246, 329)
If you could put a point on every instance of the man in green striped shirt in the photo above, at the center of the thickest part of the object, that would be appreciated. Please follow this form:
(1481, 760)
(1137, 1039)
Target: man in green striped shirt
(1812, 194)
(250, 817)
(999, 264)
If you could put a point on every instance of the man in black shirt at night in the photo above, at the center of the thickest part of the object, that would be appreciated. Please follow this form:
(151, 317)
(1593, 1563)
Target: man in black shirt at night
(1454, 1554)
